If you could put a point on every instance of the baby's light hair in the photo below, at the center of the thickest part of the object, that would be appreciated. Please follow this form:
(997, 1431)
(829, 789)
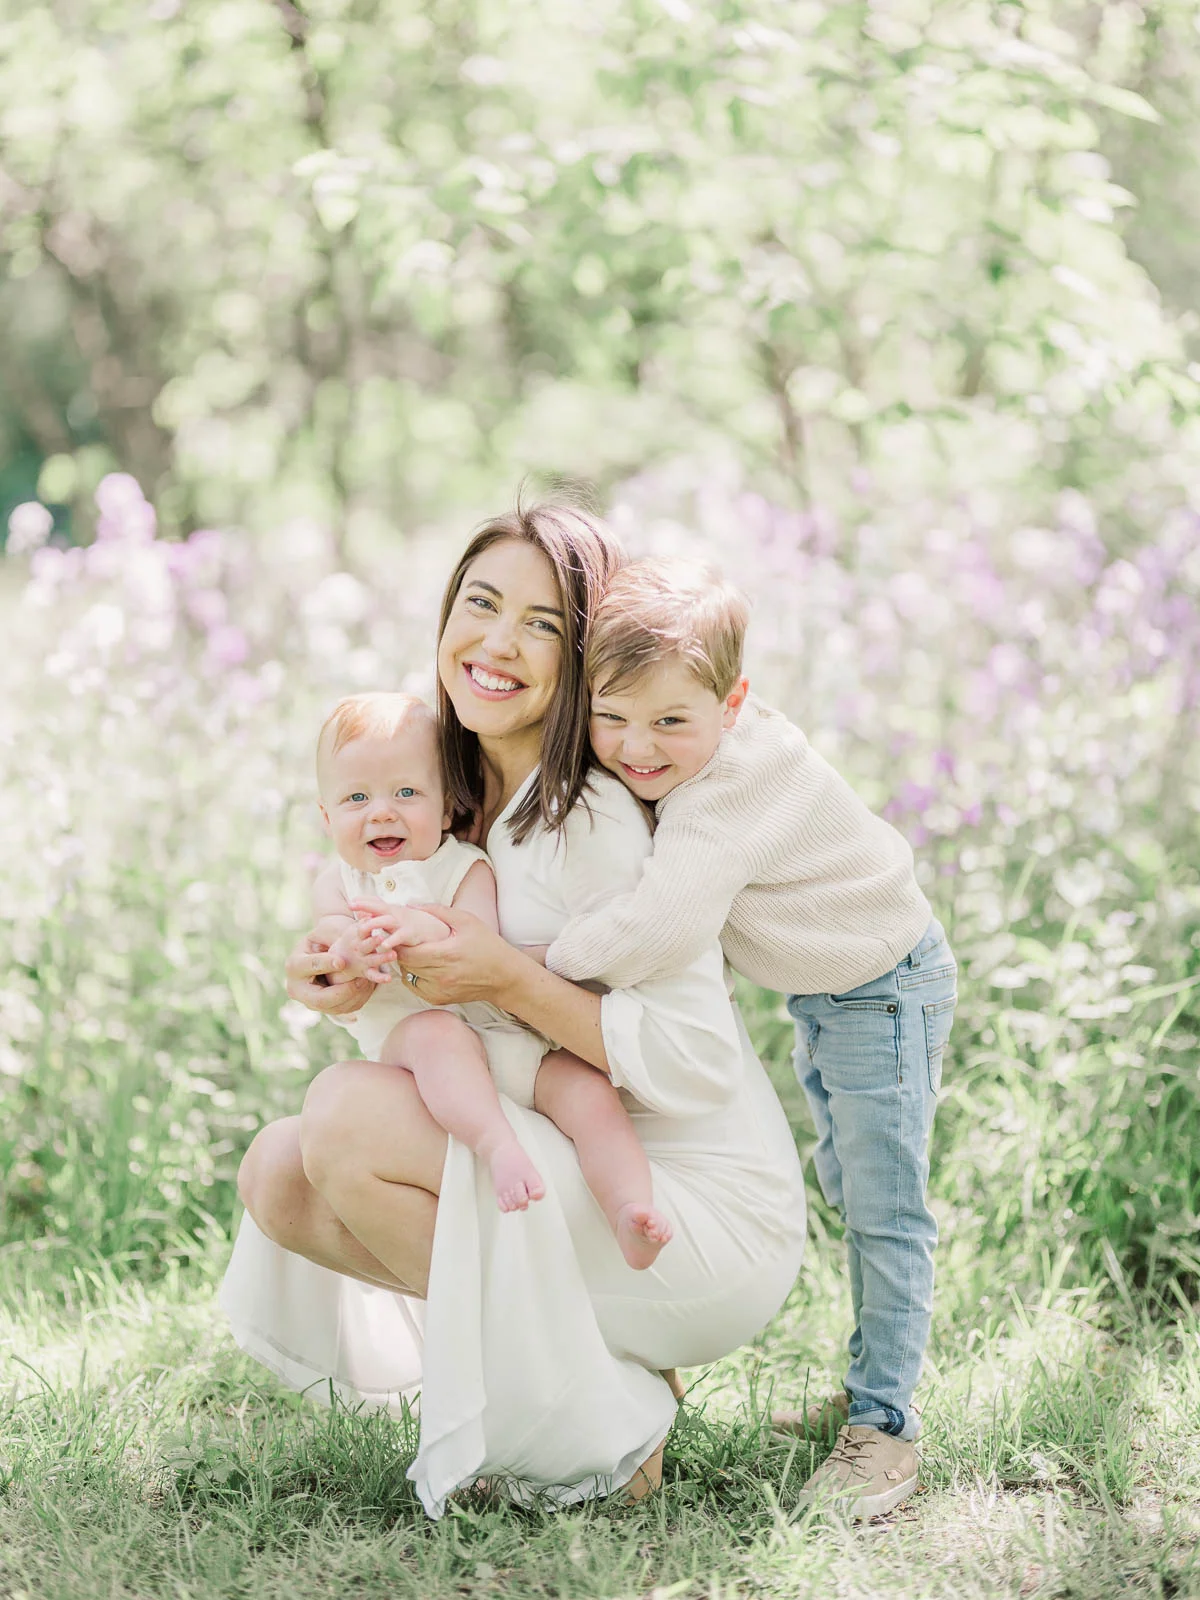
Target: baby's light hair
(381, 715)
(657, 610)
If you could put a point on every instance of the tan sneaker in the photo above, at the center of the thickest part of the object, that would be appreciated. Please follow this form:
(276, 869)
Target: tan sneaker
(866, 1474)
(821, 1420)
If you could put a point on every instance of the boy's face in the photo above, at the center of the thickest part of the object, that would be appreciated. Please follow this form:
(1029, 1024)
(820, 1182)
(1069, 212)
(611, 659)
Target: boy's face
(381, 799)
(660, 731)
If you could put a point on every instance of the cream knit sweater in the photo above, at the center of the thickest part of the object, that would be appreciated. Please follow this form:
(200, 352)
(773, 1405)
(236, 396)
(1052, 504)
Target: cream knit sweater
(770, 850)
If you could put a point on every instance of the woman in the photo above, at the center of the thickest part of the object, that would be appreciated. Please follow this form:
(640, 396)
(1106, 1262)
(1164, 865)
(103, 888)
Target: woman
(541, 1351)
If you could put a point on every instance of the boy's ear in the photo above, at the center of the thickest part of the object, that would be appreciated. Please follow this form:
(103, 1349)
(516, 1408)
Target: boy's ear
(734, 701)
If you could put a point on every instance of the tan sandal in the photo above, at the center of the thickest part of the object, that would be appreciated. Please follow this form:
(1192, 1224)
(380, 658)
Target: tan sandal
(646, 1480)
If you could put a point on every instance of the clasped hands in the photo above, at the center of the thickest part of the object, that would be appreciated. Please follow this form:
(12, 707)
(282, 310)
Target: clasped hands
(465, 960)
(370, 946)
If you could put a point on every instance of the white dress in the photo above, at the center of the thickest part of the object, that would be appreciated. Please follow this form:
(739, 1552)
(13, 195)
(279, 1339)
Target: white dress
(538, 1350)
(514, 1052)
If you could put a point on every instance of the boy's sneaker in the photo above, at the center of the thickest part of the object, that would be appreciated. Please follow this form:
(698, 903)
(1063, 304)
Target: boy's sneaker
(821, 1420)
(866, 1474)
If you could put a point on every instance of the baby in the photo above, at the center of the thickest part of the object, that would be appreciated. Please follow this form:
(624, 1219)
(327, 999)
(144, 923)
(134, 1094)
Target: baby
(383, 804)
(761, 843)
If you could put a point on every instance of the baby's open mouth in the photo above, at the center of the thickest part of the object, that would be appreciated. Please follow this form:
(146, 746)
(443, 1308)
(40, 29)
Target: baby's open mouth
(387, 846)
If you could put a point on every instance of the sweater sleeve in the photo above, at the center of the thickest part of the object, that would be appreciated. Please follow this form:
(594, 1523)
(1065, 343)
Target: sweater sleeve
(671, 1042)
(673, 914)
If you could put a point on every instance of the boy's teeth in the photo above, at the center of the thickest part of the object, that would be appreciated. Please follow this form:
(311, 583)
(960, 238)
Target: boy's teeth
(489, 680)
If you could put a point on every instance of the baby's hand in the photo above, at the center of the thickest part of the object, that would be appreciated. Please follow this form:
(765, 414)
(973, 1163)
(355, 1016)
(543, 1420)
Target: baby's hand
(349, 945)
(390, 928)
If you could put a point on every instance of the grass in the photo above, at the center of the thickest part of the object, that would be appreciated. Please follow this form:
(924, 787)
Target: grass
(144, 1456)
(141, 1455)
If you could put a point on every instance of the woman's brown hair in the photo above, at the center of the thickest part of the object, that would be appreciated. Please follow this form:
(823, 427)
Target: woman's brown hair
(584, 555)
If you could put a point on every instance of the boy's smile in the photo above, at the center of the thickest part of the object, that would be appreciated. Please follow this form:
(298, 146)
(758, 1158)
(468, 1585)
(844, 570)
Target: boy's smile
(661, 730)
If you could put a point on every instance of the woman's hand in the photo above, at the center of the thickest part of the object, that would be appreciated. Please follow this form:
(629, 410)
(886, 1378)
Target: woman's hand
(307, 967)
(472, 963)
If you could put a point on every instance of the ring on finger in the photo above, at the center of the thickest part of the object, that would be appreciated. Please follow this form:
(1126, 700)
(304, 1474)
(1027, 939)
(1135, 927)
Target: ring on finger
(411, 977)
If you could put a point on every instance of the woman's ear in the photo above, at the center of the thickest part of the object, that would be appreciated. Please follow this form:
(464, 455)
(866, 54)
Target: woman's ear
(734, 701)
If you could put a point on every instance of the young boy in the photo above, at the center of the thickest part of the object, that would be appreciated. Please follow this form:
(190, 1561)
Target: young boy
(760, 842)
(383, 803)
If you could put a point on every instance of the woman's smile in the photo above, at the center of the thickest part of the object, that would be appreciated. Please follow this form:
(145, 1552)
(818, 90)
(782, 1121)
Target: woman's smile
(491, 684)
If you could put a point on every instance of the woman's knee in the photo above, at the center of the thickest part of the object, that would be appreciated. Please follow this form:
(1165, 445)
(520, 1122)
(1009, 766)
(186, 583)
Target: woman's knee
(326, 1119)
(271, 1180)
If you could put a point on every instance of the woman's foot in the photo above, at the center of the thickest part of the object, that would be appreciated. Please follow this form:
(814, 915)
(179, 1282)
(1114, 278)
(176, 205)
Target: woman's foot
(641, 1233)
(514, 1177)
(646, 1479)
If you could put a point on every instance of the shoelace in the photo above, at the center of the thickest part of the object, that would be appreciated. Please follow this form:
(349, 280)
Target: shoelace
(848, 1449)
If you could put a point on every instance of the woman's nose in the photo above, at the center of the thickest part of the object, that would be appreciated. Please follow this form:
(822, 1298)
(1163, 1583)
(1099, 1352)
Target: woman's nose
(502, 638)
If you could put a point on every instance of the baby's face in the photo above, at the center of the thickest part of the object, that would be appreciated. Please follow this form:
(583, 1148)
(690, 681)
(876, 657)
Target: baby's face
(382, 799)
(660, 731)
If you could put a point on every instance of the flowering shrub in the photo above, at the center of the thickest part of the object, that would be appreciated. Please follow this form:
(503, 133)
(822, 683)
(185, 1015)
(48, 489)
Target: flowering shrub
(1021, 703)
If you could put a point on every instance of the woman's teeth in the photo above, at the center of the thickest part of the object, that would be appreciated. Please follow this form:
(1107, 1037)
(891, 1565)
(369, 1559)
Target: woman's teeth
(489, 680)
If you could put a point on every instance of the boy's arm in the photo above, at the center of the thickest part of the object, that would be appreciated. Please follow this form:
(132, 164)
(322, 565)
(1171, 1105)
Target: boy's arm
(675, 913)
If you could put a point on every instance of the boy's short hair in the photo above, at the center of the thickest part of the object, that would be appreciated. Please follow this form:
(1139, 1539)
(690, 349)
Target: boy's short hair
(381, 715)
(654, 610)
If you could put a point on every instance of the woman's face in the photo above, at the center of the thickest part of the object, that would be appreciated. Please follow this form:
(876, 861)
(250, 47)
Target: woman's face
(500, 655)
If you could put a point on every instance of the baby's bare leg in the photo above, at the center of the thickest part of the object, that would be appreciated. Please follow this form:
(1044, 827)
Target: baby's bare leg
(448, 1061)
(583, 1104)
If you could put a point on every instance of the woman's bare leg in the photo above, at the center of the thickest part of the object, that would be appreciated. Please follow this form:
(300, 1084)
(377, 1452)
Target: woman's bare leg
(289, 1210)
(583, 1104)
(449, 1063)
(374, 1153)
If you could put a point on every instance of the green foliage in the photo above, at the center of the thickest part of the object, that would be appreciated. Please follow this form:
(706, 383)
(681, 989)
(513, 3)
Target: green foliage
(366, 258)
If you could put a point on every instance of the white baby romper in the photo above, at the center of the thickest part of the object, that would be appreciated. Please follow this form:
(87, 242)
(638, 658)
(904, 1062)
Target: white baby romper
(514, 1052)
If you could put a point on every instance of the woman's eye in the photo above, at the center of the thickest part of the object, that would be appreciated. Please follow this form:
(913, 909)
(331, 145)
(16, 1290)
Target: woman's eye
(479, 600)
(407, 794)
(545, 627)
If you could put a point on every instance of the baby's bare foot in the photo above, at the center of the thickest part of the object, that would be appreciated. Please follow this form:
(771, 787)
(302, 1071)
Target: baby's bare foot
(514, 1177)
(641, 1232)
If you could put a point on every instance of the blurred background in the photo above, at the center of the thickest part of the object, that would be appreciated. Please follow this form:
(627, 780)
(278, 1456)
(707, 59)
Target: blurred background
(890, 307)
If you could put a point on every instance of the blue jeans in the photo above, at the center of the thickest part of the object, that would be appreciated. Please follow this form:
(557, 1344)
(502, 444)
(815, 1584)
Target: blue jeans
(870, 1062)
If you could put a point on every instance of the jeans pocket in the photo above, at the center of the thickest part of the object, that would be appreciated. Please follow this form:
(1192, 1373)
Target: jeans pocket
(881, 994)
(939, 1015)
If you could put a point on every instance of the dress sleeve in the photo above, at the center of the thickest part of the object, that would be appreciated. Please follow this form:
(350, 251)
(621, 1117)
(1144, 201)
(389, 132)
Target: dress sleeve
(672, 1042)
(674, 912)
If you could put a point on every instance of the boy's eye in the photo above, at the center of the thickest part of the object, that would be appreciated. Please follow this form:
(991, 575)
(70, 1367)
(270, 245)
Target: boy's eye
(669, 722)
(407, 793)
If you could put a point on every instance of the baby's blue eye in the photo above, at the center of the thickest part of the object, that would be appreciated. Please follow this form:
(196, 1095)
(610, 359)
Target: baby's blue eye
(358, 796)
(407, 794)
